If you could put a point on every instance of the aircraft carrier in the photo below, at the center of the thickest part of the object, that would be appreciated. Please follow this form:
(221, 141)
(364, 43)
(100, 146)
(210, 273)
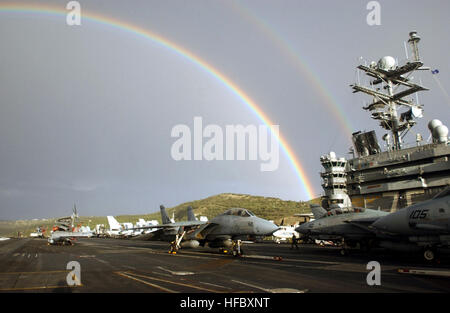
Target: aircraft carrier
(400, 175)
(131, 266)
(388, 179)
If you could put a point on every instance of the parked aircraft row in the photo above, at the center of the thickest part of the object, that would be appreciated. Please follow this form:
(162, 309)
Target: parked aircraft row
(142, 227)
(225, 231)
(422, 227)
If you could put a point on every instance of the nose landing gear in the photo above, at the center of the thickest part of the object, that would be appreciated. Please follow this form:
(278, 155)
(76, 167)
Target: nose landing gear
(236, 249)
(175, 245)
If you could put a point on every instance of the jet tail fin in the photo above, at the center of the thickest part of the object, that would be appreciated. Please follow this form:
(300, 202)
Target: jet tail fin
(190, 214)
(318, 211)
(113, 223)
(164, 217)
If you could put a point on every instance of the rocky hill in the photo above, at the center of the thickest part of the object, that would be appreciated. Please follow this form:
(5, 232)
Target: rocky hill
(266, 207)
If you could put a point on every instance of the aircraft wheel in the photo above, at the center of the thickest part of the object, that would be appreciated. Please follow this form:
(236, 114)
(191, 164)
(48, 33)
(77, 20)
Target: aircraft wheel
(429, 255)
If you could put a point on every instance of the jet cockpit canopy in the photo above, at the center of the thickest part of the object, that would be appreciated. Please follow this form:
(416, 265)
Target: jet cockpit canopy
(239, 212)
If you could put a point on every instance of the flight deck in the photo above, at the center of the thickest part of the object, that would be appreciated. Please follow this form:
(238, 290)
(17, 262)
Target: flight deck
(119, 265)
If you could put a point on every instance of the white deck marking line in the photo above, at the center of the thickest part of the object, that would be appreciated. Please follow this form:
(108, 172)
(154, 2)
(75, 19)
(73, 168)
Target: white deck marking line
(102, 261)
(195, 254)
(273, 290)
(385, 270)
(172, 282)
(163, 274)
(250, 285)
(214, 285)
(146, 283)
(175, 272)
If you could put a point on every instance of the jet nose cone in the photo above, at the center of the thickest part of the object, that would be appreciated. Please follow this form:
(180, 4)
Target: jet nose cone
(267, 228)
(302, 229)
(273, 229)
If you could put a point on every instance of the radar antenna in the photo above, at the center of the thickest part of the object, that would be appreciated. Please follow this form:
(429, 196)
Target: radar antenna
(387, 99)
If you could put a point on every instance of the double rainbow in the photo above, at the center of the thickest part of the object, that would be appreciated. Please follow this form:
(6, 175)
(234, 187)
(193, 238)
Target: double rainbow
(299, 62)
(146, 34)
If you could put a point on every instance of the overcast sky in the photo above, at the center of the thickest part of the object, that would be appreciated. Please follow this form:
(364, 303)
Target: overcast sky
(87, 111)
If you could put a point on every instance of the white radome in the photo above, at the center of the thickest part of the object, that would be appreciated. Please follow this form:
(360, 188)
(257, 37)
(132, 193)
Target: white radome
(441, 133)
(433, 124)
(386, 63)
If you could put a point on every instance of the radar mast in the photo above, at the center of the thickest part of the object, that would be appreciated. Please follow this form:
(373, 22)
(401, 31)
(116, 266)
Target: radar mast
(389, 86)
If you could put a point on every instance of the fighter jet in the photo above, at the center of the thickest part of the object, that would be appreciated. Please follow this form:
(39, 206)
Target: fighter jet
(66, 237)
(225, 231)
(350, 225)
(170, 230)
(424, 226)
(64, 231)
(230, 229)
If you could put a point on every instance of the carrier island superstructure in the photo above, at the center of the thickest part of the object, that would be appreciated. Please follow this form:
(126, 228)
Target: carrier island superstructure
(400, 175)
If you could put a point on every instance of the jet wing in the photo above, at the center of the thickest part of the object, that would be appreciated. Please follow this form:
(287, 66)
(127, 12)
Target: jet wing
(71, 234)
(203, 231)
(186, 224)
(173, 225)
(363, 223)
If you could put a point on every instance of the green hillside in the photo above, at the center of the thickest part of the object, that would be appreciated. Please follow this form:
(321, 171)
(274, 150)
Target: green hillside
(266, 207)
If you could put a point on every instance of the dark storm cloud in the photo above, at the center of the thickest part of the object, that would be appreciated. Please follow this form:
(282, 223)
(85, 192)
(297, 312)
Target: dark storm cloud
(86, 112)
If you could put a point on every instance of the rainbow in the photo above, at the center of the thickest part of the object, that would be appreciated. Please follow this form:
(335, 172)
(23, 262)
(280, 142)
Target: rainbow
(146, 34)
(299, 62)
